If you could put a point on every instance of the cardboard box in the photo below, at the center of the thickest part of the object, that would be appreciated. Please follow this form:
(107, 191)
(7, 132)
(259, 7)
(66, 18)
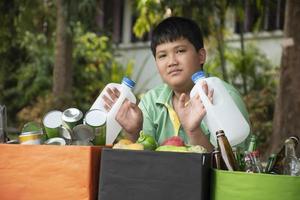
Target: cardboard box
(48, 172)
(147, 175)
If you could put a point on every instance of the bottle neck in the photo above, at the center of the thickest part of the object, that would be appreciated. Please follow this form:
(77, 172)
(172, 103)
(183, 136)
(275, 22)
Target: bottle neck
(124, 85)
(199, 80)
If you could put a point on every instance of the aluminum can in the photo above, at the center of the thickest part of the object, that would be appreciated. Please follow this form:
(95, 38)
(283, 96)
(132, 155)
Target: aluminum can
(55, 141)
(33, 137)
(96, 119)
(83, 133)
(52, 122)
(72, 117)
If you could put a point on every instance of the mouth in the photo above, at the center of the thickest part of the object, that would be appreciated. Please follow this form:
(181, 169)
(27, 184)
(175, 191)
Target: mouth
(174, 71)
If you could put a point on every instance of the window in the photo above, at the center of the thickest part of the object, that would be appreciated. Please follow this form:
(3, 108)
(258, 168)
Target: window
(268, 16)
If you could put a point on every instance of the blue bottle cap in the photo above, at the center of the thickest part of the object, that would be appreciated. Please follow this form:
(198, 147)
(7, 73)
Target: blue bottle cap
(198, 75)
(130, 83)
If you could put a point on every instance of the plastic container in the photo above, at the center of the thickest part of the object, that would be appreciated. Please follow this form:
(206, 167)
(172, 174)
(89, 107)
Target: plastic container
(113, 128)
(223, 113)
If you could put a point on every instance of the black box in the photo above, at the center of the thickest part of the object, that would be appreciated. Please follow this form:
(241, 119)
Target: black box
(150, 175)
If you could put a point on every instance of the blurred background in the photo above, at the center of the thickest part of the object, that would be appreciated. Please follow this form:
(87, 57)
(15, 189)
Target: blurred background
(57, 54)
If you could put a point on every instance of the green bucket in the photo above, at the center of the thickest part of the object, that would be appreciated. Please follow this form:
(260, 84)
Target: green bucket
(228, 185)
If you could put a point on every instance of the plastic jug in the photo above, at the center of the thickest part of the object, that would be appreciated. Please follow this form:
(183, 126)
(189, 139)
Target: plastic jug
(223, 113)
(113, 128)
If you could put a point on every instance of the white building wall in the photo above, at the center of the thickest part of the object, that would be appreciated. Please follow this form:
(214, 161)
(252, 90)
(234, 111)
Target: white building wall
(145, 71)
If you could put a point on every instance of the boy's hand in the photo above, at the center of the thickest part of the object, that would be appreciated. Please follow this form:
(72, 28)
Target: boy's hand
(129, 116)
(190, 114)
(193, 111)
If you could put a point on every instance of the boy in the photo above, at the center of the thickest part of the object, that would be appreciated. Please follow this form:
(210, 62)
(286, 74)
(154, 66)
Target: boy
(167, 110)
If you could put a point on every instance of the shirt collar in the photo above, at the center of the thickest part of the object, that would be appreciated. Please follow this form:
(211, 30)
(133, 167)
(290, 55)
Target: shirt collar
(165, 95)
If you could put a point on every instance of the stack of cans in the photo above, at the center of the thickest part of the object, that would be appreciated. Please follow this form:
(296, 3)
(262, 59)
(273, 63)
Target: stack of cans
(69, 127)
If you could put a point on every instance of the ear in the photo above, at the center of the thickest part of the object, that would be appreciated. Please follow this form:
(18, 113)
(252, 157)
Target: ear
(202, 56)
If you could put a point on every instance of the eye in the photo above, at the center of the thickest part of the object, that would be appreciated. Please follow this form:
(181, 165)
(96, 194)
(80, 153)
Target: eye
(160, 56)
(180, 51)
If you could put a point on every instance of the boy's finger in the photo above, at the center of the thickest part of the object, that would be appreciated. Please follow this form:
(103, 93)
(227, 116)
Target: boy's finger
(112, 94)
(116, 91)
(107, 101)
(205, 87)
(182, 100)
(107, 107)
(210, 95)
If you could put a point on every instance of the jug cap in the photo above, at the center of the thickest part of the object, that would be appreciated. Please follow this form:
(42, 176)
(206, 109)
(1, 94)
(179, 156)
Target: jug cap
(198, 75)
(130, 83)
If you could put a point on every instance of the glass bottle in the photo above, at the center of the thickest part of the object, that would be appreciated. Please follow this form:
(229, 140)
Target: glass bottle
(291, 165)
(270, 164)
(256, 162)
(226, 151)
(248, 163)
(3, 124)
(216, 159)
(278, 167)
(252, 144)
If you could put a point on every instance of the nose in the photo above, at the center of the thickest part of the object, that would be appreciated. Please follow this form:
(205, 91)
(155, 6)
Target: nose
(172, 60)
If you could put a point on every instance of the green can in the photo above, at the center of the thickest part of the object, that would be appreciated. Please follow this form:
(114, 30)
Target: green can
(34, 127)
(96, 119)
(52, 122)
(71, 118)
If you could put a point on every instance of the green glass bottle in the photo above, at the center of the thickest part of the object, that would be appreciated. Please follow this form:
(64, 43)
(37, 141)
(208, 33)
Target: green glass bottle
(270, 164)
(252, 144)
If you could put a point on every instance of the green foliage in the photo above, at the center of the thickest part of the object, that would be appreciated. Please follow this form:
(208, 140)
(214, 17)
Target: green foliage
(150, 12)
(34, 75)
(252, 71)
(94, 67)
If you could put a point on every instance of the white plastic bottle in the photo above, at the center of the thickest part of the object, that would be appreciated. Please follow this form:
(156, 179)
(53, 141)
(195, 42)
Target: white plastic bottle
(113, 128)
(223, 113)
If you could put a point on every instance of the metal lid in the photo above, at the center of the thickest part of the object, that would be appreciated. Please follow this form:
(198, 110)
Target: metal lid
(55, 141)
(65, 133)
(53, 119)
(72, 115)
(95, 118)
(32, 132)
(83, 132)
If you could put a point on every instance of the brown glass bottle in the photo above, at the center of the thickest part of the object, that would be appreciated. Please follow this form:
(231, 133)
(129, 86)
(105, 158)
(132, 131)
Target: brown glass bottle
(217, 160)
(226, 151)
(278, 166)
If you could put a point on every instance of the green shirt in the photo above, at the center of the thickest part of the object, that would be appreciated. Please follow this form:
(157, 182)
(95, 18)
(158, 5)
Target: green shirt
(160, 119)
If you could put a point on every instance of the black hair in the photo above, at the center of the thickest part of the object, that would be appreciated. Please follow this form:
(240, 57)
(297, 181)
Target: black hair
(173, 28)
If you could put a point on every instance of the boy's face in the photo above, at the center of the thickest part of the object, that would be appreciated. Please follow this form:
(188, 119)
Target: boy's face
(177, 61)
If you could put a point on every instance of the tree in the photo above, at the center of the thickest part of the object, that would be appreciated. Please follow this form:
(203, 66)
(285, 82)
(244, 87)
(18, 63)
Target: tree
(287, 107)
(62, 72)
